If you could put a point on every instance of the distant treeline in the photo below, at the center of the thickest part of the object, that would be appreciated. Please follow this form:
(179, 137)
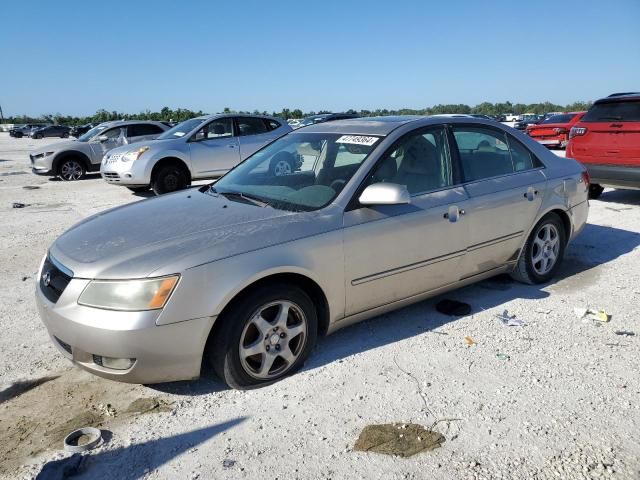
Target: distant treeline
(182, 114)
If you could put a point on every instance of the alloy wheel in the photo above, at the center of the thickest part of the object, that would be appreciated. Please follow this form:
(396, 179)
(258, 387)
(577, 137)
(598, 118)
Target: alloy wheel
(282, 168)
(546, 246)
(273, 340)
(71, 170)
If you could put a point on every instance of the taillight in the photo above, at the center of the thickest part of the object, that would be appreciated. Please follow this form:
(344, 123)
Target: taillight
(585, 178)
(577, 132)
(558, 131)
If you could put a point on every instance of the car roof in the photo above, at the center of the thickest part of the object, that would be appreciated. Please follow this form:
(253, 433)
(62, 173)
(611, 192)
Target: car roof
(616, 97)
(224, 115)
(363, 125)
(122, 123)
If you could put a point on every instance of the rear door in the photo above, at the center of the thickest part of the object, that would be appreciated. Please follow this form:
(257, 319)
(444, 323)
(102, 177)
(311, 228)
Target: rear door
(505, 184)
(254, 133)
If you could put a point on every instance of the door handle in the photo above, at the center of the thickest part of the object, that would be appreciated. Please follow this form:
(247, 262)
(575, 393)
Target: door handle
(453, 214)
(531, 194)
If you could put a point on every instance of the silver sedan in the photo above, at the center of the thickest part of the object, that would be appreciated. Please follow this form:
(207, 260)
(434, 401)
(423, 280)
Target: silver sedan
(376, 214)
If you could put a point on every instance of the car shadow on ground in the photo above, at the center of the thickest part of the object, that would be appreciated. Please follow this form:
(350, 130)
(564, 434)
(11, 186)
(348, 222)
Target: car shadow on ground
(133, 461)
(595, 246)
(623, 197)
(85, 177)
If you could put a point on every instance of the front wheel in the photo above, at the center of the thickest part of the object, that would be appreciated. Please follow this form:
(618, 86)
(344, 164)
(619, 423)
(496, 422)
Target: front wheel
(595, 191)
(71, 170)
(265, 337)
(169, 179)
(543, 252)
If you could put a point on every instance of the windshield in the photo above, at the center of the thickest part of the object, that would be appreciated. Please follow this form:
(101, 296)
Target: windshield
(559, 118)
(181, 129)
(92, 133)
(300, 171)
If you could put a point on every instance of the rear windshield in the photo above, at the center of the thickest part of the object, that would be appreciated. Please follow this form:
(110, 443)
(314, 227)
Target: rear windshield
(614, 112)
(559, 118)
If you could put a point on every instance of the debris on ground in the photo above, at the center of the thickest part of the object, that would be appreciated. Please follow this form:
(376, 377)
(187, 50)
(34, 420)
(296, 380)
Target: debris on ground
(82, 439)
(20, 205)
(107, 410)
(510, 320)
(502, 356)
(31, 187)
(227, 463)
(544, 311)
(470, 341)
(625, 333)
(588, 314)
(399, 439)
(148, 404)
(453, 307)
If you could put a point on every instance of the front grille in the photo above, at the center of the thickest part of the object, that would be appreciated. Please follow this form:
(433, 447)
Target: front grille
(111, 176)
(53, 281)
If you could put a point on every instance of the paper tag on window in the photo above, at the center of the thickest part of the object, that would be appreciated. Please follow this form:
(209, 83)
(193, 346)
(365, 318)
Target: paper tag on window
(357, 140)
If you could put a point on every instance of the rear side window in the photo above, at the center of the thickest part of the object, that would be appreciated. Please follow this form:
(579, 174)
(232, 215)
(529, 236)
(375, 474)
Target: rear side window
(614, 112)
(143, 129)
(272, 124)
(251, 126)
(486, 153)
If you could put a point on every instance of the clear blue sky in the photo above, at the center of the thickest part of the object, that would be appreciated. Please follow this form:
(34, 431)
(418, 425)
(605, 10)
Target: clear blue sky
(74, 57)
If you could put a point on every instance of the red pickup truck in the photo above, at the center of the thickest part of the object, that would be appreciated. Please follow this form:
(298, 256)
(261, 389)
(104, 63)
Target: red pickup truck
(607, 141)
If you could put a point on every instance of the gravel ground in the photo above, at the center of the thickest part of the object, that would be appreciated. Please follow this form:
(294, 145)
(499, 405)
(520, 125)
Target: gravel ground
(561, 401)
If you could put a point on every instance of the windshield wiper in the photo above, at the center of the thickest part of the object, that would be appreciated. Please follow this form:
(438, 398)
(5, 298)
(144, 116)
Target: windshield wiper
(244, 196)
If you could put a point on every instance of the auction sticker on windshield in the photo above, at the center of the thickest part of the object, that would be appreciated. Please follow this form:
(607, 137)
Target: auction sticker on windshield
(357, 140)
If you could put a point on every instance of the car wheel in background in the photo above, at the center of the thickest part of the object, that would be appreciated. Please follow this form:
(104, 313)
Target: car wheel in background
(264, 336)
(71, 169)
(542, 253)
(282, 164)
(595, 190)
(64, 135)
(139, 189)
(169, 179)
(37, 136)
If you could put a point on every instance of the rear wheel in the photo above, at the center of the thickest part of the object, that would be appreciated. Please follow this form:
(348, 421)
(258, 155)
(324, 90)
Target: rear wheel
(542, 253)
(595, 191)
(169, 178)
(71, 169)
(264, 337)
(139, 189)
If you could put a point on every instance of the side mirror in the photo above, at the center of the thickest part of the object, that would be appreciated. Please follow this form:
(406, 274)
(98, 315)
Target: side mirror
(385, 194)
(103, 138)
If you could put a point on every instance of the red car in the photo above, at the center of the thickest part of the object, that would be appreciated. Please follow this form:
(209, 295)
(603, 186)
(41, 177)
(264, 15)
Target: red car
(607, 142)
(554, 131)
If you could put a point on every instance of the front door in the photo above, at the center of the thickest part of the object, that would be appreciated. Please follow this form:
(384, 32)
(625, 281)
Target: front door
(214, 149)
(107, 140)
(393, 252)
(506, 185)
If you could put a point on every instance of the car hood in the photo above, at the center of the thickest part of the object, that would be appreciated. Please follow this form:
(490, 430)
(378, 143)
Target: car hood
(56, 147)
(153, 144)
(171, 233)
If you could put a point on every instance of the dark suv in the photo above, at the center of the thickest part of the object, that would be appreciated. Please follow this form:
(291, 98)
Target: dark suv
(607, 142)
(50, 131)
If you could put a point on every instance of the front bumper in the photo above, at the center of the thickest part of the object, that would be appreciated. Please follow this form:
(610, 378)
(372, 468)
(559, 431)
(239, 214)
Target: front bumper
(615, 176)
(42, 165)
(162, 353)
(130, 174)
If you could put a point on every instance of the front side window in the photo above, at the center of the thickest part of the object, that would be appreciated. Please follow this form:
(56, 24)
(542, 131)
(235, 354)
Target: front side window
(111, 134)
(251, 126)
(220, 128)
(419, 161)
(92, 133)
(299, 171)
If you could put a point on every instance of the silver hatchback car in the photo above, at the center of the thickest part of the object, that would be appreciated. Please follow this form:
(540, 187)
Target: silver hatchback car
(203, 147)
(247, 272)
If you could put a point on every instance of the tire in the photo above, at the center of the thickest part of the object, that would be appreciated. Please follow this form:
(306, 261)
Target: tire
(543, 252)
(64, 135)
(595, 190)
(280, 166)
(139, 189)
(18, 135)
(169, 178)
(37, 137)
(272, 342)
(71, 169)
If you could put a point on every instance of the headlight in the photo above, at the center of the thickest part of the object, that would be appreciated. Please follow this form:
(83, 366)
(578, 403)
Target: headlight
(129, 295)
(133, 155)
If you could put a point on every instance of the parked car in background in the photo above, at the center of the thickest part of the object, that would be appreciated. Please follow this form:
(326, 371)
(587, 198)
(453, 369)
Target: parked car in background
(79, 130)
(71, 160)
(510, 117)
(480, 115)
(203, 147)
(500, 118)
(25, 130)
(50, 131)
(554, 131)
(527, 120)
(325, 117)
(607, 141)
(246, 273)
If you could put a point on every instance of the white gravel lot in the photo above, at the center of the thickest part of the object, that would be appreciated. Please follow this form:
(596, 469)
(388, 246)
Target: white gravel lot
(565, 404)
